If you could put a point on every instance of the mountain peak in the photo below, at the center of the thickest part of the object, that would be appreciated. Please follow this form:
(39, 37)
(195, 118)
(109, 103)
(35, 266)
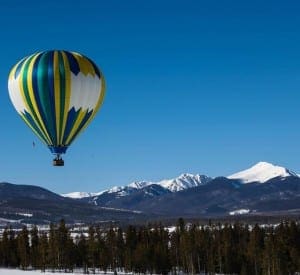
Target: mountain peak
(262, 172)
(186, 175)
(184, 181)
(139, 184)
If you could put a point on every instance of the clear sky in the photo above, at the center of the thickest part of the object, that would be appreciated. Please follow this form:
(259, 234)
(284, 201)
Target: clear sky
(207, 87)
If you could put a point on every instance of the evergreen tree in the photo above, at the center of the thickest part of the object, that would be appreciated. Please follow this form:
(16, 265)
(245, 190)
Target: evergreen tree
(52, 248)
(13, 258)
(255, 249)
(294, 244)
(104, 260)
(92, 250)
(162, 253)
(210, 258)
(64, 246)
(120, 248)
(174, 251)
(43, 252)
(130, 246)
(200, 249)
(192, 249)
(269, 254)
(34, 249)
(111, 245)
(23, 248)
(82, 254)
(287, 248)
(5, 249)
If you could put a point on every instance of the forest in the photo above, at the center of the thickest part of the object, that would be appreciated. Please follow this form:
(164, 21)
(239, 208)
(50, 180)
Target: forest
(189, 248)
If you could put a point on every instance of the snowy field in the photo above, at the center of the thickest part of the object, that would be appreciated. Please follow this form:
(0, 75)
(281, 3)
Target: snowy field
(5, 271)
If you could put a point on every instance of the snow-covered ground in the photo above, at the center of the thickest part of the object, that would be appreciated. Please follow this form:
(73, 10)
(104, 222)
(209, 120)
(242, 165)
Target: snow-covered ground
(6, 271)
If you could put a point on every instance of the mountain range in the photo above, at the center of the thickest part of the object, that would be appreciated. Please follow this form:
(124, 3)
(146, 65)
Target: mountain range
(263, 189)
(180, 183)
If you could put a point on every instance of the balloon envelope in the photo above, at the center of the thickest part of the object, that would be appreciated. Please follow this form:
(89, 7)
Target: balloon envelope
(57, 94)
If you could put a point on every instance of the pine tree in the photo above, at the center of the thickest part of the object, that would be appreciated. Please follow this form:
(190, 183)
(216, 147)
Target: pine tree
(43, 252)
(140, 260)
(174, 251)
(269, 255)
(191, 249)
(120, 248)
(5, 249)
(211, 250)
(287, 248)
(82, 253)
(293, 244)
(104, 260)
(63, 246)
(34, 249)
(92, 250)
(70, 254)
(241, 239)
(200, 246)
(255, 249)
(130, 246)
(52, 248)
(230, 250)
(23, 248)
(110, 243)
(219, 248)
(165, 265)
(14, 259)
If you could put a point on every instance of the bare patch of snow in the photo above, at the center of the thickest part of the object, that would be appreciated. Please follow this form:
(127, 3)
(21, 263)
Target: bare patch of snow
(78, 195)
(25, 214)
(239, 212)
(122, 210)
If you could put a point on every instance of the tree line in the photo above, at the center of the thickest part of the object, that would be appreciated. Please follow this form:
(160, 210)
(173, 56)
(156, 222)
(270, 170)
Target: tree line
(227, 249)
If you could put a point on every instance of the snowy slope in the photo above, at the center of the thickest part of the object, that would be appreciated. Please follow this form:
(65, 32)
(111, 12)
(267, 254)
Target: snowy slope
(78, 195)
(10, 271)
(184, 181)
(262, 172)
(140, 184)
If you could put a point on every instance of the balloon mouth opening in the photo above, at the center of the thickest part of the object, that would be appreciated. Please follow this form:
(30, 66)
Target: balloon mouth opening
(57, 150)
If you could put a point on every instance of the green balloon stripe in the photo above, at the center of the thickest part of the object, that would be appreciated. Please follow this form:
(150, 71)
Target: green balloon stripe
(56, 109)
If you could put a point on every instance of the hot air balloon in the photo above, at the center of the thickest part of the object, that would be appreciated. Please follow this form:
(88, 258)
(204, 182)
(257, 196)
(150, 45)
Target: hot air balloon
(57, 94)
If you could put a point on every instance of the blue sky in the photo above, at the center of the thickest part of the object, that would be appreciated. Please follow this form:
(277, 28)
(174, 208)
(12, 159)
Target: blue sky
(192, 86)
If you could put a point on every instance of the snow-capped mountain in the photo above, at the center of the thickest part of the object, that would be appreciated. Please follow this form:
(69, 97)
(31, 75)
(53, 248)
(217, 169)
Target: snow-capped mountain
(262, 172)
(276, 192)
(139, 184)
(184, 181)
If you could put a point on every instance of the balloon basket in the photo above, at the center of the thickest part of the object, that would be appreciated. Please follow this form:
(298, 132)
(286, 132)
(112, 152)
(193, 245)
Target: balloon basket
(58, 162)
